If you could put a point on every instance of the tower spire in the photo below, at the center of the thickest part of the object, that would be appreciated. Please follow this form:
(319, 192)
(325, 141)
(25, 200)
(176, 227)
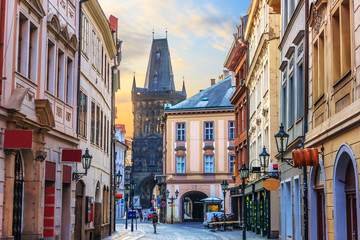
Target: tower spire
(166, 32)
(134, 84)
(183, 92)
(153, 33)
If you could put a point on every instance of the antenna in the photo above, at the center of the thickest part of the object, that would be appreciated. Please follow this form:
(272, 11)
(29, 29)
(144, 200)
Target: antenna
(153, 33)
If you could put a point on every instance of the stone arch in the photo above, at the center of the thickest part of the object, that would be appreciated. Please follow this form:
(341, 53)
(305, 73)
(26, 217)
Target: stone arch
(73, 42)
(344, 157)
(97, 192)
(145, 191)
(191, 210)
(64, 33)
(313, 220)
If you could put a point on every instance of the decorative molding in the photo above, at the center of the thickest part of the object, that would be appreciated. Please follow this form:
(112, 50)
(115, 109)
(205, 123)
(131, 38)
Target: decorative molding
(44, 112)
(40, 155)
(58, 111)
(68, 116)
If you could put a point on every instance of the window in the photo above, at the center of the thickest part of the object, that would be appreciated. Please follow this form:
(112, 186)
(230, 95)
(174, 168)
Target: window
(243, 119)
(180, 131)
(285, 14)
(291, 99)
(60, 75)
(85, 34)
(209, 131)
(22, 49)
(209, 164)
(97, 125)
(105, 134)
(107, 139)
(258, 92)
(231, 163)
(69, 81)
(92, 132)
(101, 128)
(50, 78)
(93, 43)
(300, 91)
(319, 67)
(180, 164)
(83, 115)
(33, 50)
(266, 139)
(231, 130)
(266, 79)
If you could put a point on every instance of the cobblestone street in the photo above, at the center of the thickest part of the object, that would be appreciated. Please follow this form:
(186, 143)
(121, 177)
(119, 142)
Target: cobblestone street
(176, 232)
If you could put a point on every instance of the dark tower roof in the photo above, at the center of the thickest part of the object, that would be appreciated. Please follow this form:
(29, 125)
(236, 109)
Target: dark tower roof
(183, 89)
(159, 74)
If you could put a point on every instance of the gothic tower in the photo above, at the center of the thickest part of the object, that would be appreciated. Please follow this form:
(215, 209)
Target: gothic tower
(148, 107)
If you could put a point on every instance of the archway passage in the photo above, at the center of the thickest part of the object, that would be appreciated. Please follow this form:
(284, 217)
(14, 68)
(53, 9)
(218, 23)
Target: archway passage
(192, 207)
(146, 192)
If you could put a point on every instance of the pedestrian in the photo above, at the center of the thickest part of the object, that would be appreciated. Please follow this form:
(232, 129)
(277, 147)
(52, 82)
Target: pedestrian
(141, 216)
(155, 220)
(145, 216)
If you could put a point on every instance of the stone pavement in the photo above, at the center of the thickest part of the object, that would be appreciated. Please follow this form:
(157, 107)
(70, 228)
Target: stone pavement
(177, 231)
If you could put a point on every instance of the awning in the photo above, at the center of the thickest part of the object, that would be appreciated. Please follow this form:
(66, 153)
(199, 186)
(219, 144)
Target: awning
(211, 200)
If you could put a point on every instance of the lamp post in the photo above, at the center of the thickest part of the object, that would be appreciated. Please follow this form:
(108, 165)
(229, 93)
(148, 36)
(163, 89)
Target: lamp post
(132, 188)
(282, 139)
(224, 187)
(172, 198)
(127, 190)
(118, 178)
(86, 162)
(244, 174)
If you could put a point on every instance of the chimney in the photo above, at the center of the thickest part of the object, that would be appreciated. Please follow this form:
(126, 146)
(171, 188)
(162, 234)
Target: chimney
(212, 81)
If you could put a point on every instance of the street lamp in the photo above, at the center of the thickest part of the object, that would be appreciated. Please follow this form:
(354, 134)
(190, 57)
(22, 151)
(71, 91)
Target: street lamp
(86, 162)
(172, 198)
(244, 174)
(264, 158)
(224, 187)
(118, 176)
(132, 188)
(264, 163)
(127, 191)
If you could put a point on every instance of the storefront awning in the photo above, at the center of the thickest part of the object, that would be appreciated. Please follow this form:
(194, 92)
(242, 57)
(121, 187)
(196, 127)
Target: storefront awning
(18, 139)
(211, 200)
(71, 155)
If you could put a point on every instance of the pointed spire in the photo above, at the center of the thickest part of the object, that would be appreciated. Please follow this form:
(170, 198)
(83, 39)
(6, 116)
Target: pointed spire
(134, 84)
(183, 88)
(153, 33)
(166, 32)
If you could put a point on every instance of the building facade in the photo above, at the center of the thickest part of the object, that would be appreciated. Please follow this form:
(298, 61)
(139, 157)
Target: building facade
(334, 120)
(120, 155)
(199, 150)
(38, 102)
(291, 111)
(94, 201)
(148, 107)
(236, 62)
(262, 33)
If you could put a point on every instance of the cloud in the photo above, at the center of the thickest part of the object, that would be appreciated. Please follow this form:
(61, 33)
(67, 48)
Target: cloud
(179, 63)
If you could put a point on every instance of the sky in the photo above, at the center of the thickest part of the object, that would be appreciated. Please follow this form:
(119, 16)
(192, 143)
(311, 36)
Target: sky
(200, 34)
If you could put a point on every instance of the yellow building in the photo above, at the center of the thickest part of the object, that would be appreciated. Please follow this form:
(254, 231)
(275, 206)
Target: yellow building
(199, 150)
(334, 119)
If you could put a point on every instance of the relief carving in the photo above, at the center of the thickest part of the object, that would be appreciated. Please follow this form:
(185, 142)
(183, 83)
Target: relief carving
(68, 116)
(59, 112)
(318, 20)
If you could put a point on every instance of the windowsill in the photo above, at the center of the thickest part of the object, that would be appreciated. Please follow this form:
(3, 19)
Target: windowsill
(84, 55)
(319, 100)
(82, 138)
(299, 120)
(289, 129)
(27, 80)
(342, 81)
(209, 140)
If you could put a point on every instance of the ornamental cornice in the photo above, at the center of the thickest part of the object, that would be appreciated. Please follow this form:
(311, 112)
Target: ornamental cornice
(100, 20)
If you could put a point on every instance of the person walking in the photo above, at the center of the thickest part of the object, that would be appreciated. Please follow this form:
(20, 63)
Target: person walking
(141, 216)
(155, 220)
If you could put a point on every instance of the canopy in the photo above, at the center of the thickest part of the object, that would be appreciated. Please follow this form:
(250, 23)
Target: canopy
(211, 200)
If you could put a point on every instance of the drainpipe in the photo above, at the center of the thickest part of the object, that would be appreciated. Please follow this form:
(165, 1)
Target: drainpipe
(2, 40)
(306, 106)
(113, 138)
(79, 64)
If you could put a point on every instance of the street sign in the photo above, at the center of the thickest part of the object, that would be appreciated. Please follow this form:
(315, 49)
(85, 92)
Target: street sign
(171, 205)
(163, 204)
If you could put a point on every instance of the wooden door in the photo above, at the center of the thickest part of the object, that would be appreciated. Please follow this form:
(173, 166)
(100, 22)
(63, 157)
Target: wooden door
(78, 217)
(97, 221)
(321, 214)
(351, 216)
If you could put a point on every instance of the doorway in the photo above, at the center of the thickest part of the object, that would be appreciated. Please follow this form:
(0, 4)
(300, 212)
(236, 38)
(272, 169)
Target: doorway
(80, 192)
(18, 197)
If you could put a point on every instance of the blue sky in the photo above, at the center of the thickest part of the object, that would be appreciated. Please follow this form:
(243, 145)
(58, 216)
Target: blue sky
(200, 33)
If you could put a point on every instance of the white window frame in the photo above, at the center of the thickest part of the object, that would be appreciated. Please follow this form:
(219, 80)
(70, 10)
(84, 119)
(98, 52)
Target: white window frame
(180, 164)
(209, 164)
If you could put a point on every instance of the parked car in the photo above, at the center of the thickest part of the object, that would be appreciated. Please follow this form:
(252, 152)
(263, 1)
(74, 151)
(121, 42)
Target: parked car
(208, 216)
(150, 215)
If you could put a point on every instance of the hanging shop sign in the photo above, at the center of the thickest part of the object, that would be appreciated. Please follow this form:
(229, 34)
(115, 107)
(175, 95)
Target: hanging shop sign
(305, 157)
(271, 184)
(17, 139)
(71, 155)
